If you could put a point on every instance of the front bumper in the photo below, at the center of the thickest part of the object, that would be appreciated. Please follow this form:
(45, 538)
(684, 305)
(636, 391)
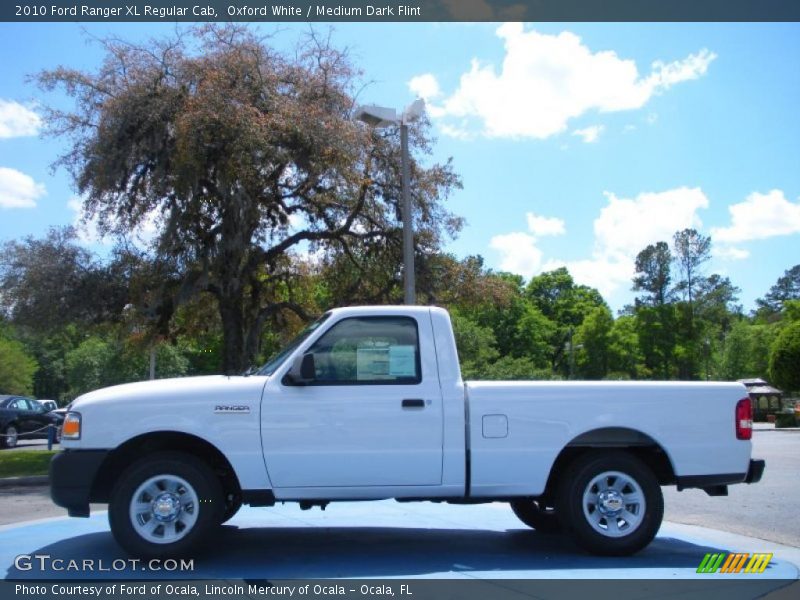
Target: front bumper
(72, 474)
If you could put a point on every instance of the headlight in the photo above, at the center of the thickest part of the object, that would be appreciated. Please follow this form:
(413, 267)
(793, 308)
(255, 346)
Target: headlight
(71, 429)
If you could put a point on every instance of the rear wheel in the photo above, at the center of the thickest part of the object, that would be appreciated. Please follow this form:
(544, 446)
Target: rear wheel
(537, 515)
(611, 502)
(165, 505)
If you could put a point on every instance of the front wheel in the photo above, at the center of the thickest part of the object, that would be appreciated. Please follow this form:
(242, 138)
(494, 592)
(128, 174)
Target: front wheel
(165, 505)
(611, 502)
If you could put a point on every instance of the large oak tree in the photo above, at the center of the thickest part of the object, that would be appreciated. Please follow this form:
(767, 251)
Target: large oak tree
(245, 157)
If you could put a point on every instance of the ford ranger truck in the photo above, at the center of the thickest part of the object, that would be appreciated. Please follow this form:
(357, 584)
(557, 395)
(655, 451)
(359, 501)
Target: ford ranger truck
(367, 403)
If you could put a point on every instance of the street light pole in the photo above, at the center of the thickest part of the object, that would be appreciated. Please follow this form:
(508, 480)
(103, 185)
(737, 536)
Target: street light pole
(408, 226)
(380, 117)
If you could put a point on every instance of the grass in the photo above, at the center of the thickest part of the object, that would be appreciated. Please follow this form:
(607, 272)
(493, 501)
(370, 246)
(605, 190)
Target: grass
(21, 463)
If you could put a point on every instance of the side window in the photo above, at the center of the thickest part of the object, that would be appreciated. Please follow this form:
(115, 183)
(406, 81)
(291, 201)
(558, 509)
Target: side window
(368, 350)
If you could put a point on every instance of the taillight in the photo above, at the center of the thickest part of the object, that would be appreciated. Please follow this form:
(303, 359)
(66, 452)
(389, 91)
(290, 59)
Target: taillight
(744, 420)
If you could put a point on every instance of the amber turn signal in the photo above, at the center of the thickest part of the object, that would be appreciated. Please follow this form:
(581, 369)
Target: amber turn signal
(71, 429)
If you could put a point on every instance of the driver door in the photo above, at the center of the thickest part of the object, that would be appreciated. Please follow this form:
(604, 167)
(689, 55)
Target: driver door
(372, 415)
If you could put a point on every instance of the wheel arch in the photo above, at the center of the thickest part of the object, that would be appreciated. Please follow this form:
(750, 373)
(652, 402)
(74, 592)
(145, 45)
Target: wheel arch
(633, 441)
(142, 445)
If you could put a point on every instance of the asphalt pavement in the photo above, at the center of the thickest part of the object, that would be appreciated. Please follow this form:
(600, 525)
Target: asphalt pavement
(766, 510)
(426, 540)
(383, 540)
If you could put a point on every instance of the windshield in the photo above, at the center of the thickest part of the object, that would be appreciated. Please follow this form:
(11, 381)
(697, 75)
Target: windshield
(272, 364)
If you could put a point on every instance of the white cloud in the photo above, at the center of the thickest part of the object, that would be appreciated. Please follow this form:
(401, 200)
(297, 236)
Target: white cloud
(760, 216)
(589, 134)
(606, 273)
(730, 253)
(542, 226)
(546, 80)
(17, 120)
(18, 190)
(626, 225)
(425, 86)
(518, 250)
(623, 228)
(519, 253)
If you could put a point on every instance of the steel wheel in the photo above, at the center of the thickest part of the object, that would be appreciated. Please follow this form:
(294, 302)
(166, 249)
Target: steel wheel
(165, 505)
(164, 508)
(614, 504)
(611, 501)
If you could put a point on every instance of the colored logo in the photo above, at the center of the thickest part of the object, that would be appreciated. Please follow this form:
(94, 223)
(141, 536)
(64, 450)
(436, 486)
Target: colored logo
(741, 562)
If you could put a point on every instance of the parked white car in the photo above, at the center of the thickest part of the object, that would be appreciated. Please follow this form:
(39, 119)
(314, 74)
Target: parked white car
(368, 403)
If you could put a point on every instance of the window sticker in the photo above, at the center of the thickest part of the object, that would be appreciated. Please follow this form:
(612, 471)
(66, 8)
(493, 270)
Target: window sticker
(372, 362)
(402, 361)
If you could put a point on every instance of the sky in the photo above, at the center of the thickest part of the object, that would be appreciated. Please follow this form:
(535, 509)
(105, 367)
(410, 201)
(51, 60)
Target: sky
(578, 144)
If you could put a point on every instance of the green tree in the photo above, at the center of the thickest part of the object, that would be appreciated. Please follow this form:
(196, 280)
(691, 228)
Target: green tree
(625, 357)
(786, 288)
(655, 327)
(103, 361)
(243, 155)
(653, 265)
(784, 360)
(476, 346)
(16, 368)
(655, 314)
(691, 250)
(49, 281)
(509, 368)
(593, 337)
(565, 304)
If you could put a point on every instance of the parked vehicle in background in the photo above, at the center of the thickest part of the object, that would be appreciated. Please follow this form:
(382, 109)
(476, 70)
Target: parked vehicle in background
(48, 404)
(24, 418)
(368, 403)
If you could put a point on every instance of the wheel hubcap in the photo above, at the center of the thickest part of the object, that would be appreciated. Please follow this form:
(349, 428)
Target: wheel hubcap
(164, 509)
(614, 504)
(11, 436)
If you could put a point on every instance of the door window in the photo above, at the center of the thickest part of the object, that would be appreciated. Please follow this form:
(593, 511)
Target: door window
(368, 351)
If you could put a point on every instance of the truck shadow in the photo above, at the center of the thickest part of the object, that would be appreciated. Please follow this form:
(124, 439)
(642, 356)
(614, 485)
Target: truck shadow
(357, 552)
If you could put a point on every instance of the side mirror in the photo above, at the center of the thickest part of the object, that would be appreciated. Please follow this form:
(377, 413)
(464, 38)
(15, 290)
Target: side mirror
(303, 369)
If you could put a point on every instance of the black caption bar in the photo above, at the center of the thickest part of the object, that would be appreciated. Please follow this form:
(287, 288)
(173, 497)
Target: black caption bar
(413, 589)
(400, 10)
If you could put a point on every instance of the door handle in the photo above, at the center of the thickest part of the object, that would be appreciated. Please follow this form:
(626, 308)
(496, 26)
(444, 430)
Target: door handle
(413, 403)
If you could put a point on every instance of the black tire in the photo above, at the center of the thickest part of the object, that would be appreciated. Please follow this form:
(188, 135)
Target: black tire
(10, 436)
(604, 529)
(233, 503)
(536, 515)
(178, 478)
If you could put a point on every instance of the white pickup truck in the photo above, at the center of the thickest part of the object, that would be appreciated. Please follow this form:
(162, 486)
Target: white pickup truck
(368, 403)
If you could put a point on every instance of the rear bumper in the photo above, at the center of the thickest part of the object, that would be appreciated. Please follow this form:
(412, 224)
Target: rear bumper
(72, 473)
(755, 471)
(716, 485)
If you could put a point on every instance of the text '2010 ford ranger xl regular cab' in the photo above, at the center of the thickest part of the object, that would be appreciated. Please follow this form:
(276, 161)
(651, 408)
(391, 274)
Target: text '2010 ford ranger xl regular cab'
(368, 403)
